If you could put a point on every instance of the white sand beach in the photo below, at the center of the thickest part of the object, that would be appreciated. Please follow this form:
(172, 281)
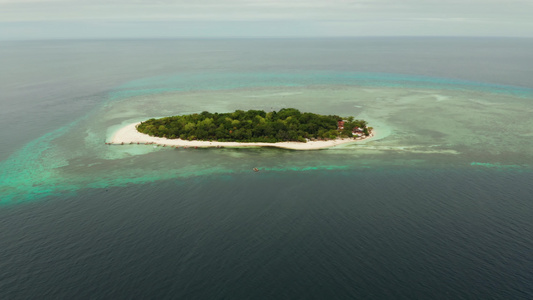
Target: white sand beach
(130, 135)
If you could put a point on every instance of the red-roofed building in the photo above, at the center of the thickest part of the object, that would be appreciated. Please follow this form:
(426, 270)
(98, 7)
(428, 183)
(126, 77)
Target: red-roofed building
(340, 125)
(357, 131)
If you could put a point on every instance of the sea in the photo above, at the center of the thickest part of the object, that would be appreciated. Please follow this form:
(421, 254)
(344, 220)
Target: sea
(438, 205)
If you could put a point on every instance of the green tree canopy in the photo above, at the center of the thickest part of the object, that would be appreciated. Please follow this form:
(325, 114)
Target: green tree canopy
(287, 124)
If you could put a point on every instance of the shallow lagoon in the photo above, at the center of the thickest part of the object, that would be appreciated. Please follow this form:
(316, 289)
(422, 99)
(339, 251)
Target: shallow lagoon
(456, 125)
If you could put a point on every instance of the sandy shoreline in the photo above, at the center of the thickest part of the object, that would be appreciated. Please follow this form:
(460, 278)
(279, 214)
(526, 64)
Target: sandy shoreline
(130, 135)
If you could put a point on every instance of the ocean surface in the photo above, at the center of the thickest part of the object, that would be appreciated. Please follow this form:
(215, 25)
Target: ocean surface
(438, 205)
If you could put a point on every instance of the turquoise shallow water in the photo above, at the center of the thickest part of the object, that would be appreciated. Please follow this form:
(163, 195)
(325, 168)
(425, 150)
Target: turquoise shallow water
(74, 156)
(202, 81)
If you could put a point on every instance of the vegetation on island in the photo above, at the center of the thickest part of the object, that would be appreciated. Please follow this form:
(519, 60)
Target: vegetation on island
(287, 124)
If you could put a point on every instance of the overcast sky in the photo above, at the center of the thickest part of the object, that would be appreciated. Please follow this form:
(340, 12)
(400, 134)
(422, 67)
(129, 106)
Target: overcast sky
(42, 19)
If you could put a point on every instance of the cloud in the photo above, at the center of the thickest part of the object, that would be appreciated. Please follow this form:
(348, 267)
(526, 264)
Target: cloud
(232, 10)
(385, 17)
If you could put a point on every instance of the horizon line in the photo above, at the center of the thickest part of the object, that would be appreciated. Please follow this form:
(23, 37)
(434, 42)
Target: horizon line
(262, 38)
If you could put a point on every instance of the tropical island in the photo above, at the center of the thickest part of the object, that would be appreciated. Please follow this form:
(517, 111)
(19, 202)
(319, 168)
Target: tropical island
(285, 125)
(286, 128)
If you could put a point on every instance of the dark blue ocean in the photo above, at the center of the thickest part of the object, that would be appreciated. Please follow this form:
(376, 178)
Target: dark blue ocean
(439, 205)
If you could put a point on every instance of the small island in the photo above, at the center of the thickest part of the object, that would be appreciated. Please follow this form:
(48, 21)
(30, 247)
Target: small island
(287, 128)
(285, 125)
